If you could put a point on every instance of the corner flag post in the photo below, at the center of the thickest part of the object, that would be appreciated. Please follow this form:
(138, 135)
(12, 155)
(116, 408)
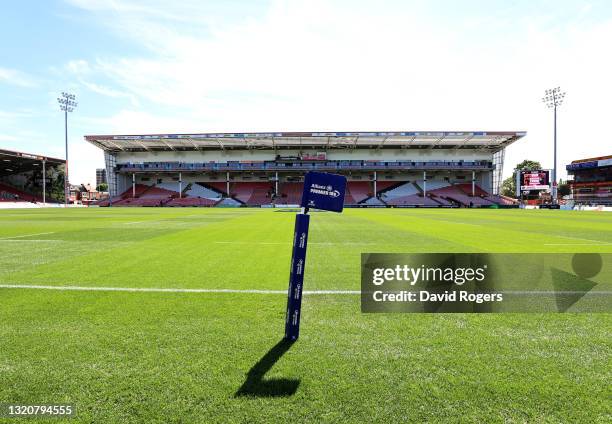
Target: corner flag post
(321, 191)
(296, 276)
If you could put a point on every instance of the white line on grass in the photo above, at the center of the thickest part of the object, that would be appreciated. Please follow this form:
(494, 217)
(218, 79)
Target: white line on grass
(27, 235)
(584, 239)
(288, 243)
(251, 242)
(577, 244)
(169, 290)
(560, 292)
(259, 291)
(33, 241)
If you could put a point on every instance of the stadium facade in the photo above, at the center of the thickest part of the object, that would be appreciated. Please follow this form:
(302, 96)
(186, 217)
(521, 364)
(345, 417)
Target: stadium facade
(592, 180)
(433, 169)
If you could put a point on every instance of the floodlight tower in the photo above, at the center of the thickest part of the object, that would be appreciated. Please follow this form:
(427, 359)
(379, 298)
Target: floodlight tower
(67, 103)
(553, 98)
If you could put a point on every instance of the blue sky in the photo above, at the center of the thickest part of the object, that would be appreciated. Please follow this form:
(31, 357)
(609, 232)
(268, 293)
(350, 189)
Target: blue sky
(158, 66)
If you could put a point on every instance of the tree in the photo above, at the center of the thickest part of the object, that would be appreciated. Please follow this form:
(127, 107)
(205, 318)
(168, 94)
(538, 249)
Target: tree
(508, 187)
(56, 177)
(102, 187)
(564, 189)
(528, 165)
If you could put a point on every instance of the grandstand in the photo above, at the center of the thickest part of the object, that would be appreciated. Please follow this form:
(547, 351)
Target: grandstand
(592, 183)
(21, 179)
(395, 169)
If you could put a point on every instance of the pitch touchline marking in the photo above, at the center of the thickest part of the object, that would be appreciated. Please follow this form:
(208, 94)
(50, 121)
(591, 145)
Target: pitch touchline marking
(33, 240)
(578, 244)
(169, 290)
(27, 235)
(284, 243)
(258, 291)
(252, 242)
(548, 292)
(580, 238)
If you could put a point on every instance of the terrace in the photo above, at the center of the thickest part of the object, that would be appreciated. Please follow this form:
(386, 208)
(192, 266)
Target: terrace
(302, 166)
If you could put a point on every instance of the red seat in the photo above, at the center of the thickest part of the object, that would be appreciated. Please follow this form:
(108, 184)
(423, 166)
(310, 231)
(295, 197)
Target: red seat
(191, 201)
(357, 191)
(8, 193)
(253, 193)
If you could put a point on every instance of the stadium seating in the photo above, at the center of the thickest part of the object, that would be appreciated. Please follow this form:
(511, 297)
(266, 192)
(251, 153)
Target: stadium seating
(197, 190)
(482, 194)
(155, 192)
(402, 190)
(454, 194)
(373, 201)
(160, 195)
(155, 201)
(218, 186)
(382, 186)
(145, 196)
(228, 201)
(258, 193)
(433, 185)
(412, 200)
(467, 189)
(348, 199)
(12, 194)
(357, 191)
(139, 189)
(329, 166)
(191, 201)
(170, 186)
(253, 193)
(291, 194)
(502, 200)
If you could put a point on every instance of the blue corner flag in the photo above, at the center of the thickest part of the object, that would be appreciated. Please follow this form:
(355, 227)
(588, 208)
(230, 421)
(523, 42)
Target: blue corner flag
(321, 191)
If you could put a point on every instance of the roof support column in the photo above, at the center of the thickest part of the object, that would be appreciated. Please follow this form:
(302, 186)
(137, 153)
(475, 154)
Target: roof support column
(227, 183)
(424, 183)
(180, 185)
(276, 184)
(44, 178)
(133, 184)
(473, 183)
(375, 178)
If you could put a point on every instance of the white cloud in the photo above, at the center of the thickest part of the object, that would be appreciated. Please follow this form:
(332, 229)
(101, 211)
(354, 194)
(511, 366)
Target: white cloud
(78, 67)
(320, 65)
(136, 122)
(15, 77)
(15, 114)
(6, 137)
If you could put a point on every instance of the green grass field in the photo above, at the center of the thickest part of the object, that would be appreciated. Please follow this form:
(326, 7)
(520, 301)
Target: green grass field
(182, 357)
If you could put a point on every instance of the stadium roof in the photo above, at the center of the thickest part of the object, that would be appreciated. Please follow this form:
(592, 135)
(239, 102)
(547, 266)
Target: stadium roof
(590, 163)
(494, 141)
(12, 162)
(593, 159)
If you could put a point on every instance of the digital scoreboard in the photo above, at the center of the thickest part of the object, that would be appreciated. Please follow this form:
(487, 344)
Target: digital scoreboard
(534, 180)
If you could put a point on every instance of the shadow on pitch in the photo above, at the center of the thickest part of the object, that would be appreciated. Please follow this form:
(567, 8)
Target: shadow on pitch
(255, 385)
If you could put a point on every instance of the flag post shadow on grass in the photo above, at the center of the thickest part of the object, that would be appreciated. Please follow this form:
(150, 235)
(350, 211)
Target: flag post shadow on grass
(256, 385)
